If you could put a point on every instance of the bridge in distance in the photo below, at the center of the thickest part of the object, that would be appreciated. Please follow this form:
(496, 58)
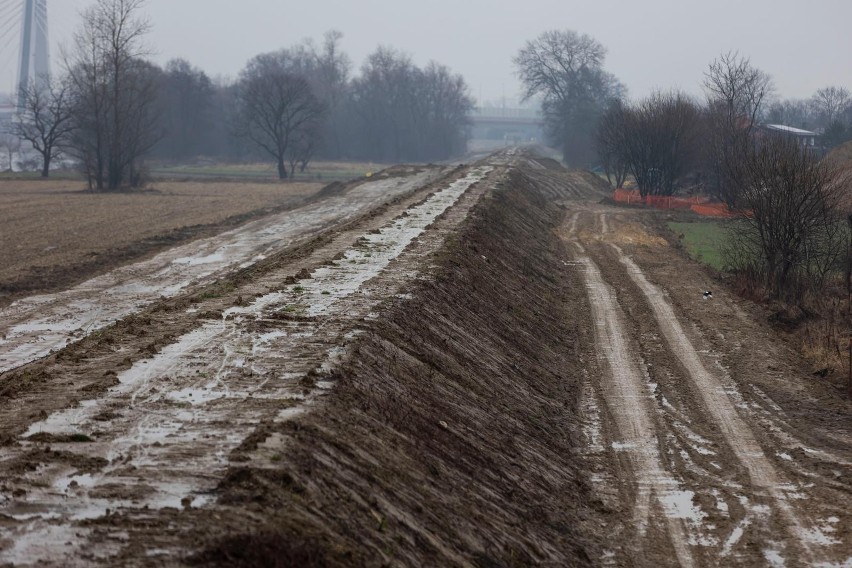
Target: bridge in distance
(507, 124)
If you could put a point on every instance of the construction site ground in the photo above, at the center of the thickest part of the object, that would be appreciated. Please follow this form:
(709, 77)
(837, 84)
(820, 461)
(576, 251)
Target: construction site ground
(477, 365)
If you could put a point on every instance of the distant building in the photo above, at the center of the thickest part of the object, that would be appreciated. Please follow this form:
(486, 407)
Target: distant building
(806, 138)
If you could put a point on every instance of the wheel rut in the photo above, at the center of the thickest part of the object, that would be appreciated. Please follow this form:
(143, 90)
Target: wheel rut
(669, 404)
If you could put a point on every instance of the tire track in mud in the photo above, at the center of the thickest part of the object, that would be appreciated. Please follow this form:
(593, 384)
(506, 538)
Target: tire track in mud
(34, 327)
(165, 434)
(627, 400)
(753, 505)
(737, 434)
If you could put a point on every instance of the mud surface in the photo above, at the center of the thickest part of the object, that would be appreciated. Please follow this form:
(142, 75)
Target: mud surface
(56, 235)
(694, 428)
(490, 369)
(35, 326)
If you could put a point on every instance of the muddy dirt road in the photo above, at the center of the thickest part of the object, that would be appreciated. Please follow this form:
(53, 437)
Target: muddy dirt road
(479, 366)
(701, 430)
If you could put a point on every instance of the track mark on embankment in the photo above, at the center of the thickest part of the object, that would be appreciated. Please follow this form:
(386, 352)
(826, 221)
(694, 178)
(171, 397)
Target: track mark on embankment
(34, 327)
(628, 403)
(719, 405)
(164, 436)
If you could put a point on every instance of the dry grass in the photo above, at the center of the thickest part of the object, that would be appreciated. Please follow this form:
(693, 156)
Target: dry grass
(842, 155)
(51, 228)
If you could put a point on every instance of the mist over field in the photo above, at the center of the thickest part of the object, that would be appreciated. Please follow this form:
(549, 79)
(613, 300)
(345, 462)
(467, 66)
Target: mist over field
(653, 44)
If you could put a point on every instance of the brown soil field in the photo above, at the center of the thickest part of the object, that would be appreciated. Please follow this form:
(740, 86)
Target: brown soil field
(56, 233)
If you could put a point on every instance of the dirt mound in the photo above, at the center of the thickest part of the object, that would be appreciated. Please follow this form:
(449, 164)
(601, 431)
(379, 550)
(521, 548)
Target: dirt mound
(550, 164)
(449, 436)
(332, 189)
(567, 184)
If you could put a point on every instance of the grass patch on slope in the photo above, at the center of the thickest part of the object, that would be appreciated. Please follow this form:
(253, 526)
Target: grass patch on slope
(704, 240)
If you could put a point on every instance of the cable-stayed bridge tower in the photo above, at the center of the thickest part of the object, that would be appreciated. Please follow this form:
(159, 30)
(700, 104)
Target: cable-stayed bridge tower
(35, 57)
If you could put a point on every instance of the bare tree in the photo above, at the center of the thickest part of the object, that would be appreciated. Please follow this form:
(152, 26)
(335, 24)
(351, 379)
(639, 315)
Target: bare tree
(566, 69)
(275, 105)
(115, 93)
(46, 122)
(10, 145)
(658, 140)
(831, 103)
(186, 98)
(303, 145)
(791, 224)
(402, 112)
(737, 92)
(333, 67)
(611, 144)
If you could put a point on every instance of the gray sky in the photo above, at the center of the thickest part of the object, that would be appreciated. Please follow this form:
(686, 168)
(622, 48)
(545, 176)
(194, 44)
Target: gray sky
(803, 44)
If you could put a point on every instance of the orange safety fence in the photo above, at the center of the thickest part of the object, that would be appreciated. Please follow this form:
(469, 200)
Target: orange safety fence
(714, 210)
(699, 205)
(658, 201)
(627, 196)
(669, 202)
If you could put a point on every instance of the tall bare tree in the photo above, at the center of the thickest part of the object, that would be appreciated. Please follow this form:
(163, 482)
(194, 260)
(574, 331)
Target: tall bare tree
(566, 69)
(737, 92)
(114, 92)
(275, 104)
(47, 121)
(831, 103)
(793, 231)
(611, 144)
(186, 98)
(404, 112)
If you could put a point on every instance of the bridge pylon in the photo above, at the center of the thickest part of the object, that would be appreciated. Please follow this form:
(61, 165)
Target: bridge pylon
(35, 55)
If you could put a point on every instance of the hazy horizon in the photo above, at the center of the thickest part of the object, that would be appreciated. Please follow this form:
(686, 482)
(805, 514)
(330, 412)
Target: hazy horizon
(657, 44)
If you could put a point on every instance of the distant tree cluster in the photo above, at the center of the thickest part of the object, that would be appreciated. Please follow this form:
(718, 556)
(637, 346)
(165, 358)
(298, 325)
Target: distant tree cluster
(828, 111)
(657, 140)
(792, 234)
(397, 111)
(112, 108)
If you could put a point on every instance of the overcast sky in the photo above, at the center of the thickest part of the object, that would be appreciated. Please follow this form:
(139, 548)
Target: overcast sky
(803, 44)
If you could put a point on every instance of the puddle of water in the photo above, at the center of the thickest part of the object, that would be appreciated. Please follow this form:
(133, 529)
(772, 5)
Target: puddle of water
(216, 257)
(679, 505)
(774, 558)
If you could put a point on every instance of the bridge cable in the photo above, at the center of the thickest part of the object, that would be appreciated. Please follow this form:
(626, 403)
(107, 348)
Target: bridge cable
(10, 17)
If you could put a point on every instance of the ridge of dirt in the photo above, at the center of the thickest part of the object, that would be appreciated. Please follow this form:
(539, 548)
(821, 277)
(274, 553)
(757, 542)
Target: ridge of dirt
(42, 279)
(448, 439)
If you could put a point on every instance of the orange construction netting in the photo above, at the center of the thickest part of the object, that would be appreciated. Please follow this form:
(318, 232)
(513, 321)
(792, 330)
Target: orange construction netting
(699, 205)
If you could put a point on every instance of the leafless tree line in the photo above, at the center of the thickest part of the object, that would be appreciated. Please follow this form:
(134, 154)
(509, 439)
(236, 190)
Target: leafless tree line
(112, 108)
(792, 234)
(828, 111)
